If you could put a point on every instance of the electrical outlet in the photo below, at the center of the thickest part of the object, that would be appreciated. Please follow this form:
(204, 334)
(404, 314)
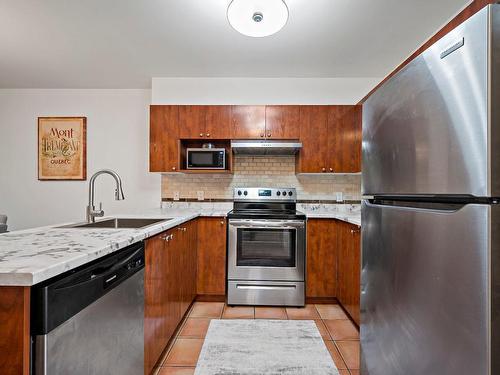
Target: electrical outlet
(339, 196)
(201, 195)
(177, 196)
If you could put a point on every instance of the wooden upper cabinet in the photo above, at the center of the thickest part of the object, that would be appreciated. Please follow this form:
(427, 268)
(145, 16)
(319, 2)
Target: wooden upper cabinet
(205, 121)
(313, 156)
(192, 121)
(248, 122)
(283, 121)
(344, 139)
(218, 122)
(211, 256)
(164, 138)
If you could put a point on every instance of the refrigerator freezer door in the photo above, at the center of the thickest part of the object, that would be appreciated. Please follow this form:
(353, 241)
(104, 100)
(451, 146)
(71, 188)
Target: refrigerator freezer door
(425, 131)
(424, 292)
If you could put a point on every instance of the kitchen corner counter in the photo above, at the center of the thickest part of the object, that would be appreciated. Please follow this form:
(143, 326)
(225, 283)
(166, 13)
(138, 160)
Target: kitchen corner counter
(350, 213)
(28, 257)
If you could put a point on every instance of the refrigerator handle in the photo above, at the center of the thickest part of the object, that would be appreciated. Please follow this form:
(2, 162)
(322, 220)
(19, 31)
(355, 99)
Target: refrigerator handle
(444, 207)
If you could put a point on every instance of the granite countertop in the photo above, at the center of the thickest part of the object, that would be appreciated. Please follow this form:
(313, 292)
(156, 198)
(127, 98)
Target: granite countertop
(28, 257)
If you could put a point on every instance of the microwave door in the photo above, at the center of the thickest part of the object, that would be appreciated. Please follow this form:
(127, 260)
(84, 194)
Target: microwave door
(206, 159)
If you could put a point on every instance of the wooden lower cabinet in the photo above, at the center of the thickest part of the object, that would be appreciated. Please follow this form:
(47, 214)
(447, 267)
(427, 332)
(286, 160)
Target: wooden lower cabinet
(321, 271)
(169, 287)
(334, 263)
(15, 329)
(349, 268)
(211, 256)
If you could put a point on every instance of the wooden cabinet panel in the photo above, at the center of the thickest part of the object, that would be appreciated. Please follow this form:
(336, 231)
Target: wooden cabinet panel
(248, 122)
(349, 269)
(211, 256)
(164, 138)
(192, 121)
(155, 302)
(321, 276)
(218, 122)
(344, 139)
(15, 329)
(170, 287)
(283, 121)
(313, 156)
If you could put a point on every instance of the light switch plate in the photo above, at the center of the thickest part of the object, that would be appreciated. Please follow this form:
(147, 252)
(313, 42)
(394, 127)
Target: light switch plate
(201, 195)
(177, 196)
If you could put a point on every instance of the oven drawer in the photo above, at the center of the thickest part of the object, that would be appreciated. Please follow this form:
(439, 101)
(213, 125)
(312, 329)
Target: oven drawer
(270, 293)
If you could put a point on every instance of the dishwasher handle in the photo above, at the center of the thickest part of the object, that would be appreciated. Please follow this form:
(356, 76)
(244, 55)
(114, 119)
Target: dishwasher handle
(105, 270)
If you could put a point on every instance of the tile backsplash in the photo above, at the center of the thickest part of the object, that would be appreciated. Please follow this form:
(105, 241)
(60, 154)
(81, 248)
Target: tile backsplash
(267, 171)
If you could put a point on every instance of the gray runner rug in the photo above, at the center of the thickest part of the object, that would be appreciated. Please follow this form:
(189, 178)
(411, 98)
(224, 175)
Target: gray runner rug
(264, 347)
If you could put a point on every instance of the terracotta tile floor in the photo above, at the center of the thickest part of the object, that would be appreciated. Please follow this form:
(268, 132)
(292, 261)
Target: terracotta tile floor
(339, 334)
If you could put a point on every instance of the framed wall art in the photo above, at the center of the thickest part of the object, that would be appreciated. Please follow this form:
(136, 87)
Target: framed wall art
(62, 148)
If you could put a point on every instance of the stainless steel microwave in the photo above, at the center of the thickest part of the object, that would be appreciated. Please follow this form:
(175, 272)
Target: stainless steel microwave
(206, 158)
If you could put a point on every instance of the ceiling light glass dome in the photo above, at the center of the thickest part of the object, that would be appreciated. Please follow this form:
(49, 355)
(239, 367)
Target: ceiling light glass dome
(257, 18)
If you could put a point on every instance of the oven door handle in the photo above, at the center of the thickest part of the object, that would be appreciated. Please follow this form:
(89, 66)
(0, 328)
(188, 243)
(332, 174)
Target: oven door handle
(265, 287)
(267, 224)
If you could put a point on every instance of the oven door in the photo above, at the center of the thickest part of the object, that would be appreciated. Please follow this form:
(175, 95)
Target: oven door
(266, 250)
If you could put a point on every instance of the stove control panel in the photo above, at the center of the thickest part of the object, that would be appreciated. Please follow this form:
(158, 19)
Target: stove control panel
(265, 194)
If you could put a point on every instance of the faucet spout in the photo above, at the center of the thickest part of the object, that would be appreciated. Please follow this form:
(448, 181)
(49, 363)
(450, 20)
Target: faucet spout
(92, 213)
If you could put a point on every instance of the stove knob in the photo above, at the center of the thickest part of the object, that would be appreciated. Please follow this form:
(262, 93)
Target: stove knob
(290, 193)
(245, 192)
(239, 192)
(284, 193)
(278, 193)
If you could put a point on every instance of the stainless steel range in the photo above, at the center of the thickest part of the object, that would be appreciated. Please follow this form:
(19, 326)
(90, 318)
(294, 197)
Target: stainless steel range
(266, 248)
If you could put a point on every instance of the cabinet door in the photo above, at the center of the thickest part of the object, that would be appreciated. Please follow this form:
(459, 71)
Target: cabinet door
(155, 303)
(248, 122)
(164, 138)
(283, 121)
(344, 139)
(192, 121)
(187, 245)
(218, 122)
(211, 256)
(321, 280)
(312, 157)
(349, 267)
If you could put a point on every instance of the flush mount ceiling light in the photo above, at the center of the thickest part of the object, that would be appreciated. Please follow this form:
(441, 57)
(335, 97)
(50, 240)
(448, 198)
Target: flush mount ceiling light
(257, 18)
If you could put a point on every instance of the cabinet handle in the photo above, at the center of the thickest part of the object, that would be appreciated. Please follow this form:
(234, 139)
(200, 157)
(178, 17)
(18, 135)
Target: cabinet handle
(222, 222)
(208, 134)
(262, 135)
(354, 231)
(181, 229)
(174, 168)
(201, 134)
(323, 169)
(331, 169)
(268, 135)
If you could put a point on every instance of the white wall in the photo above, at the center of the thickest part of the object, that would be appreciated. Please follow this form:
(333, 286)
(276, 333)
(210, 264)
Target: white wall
(117, 138)
(254, 91)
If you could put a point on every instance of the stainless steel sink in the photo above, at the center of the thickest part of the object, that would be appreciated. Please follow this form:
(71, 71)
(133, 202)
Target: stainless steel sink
(118, 223)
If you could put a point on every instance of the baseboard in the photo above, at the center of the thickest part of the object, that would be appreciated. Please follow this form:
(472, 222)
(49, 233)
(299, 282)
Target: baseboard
(210, 298)
(322, 300)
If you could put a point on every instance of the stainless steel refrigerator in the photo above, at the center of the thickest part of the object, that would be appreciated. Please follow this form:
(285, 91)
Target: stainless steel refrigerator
(430, 294)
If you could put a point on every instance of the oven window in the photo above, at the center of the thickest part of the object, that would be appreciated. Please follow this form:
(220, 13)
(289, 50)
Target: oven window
(262, 247)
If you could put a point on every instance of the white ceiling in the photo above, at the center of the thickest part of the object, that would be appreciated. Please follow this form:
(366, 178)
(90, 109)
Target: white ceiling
(123, 43)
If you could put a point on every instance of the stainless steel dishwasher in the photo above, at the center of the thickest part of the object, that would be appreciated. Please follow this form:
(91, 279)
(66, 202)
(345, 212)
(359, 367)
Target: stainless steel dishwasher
(91, 320)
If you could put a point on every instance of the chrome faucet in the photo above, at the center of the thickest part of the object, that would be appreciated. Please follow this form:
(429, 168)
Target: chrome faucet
(92, 213)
